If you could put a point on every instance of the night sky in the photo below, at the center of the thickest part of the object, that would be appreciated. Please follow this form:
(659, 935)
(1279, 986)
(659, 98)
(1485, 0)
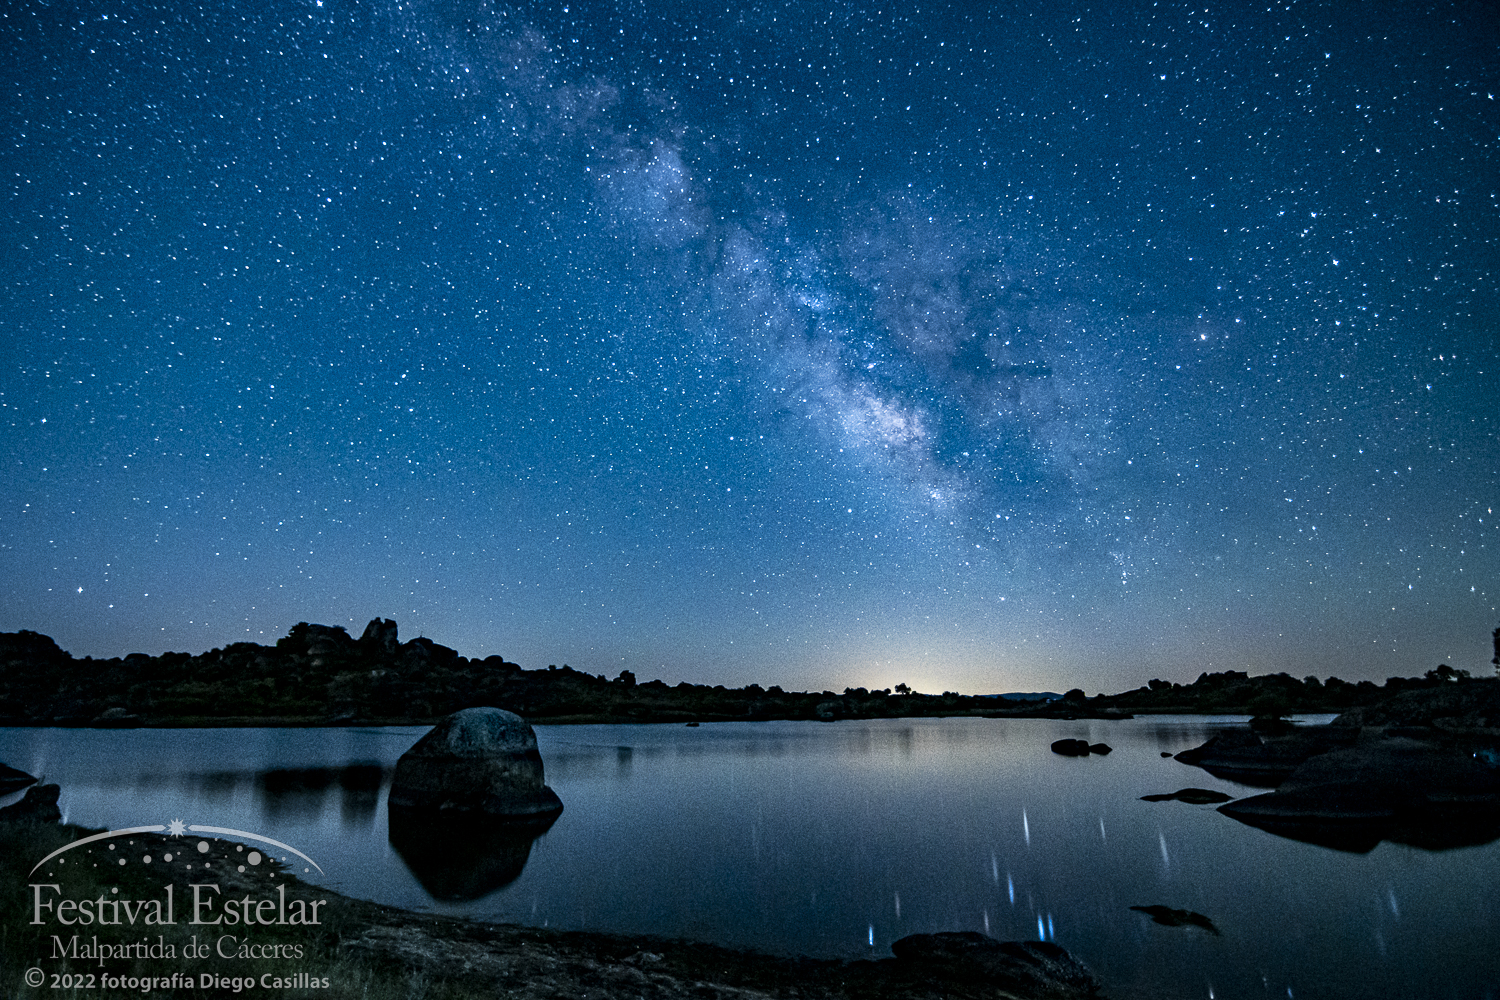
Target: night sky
(815, 345)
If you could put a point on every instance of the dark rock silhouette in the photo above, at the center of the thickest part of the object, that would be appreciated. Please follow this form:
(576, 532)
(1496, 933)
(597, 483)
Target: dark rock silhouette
(1071, 748)
(480, 762)
(463, 858)
(1455, 706)
(1420, 768)
(13, 780)
(1431, 793)
(1020, 968)
(39, 805)
(1100, 748)
(1169, 917)
(1250, 759)
(380, 634)
(1193, 796)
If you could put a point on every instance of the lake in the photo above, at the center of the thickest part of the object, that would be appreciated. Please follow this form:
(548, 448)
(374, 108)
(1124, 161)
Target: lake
(835, 839)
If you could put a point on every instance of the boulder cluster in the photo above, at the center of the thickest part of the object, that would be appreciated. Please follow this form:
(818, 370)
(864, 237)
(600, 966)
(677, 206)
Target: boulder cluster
(1422, 768)
(1079, 748)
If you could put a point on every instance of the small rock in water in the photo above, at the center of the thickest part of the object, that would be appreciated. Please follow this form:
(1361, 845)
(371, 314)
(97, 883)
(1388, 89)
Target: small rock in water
(1100, 748)
(693, 725)
(1071, 748)
(1168, 917)
(1195, 796)
(1166, 753)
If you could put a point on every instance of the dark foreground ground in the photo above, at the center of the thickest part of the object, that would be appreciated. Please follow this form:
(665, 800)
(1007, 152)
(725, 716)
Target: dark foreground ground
(376, 952)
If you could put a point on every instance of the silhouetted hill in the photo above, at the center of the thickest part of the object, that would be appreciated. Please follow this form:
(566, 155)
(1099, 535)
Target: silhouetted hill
(320, 675)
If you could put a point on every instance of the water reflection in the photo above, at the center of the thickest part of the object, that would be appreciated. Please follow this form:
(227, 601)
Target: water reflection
(462, 859)
(801, 837)
(1434, 832)
(300, 793)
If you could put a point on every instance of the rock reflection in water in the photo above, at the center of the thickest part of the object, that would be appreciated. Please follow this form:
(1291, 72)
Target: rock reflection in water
(461, 859)
(301, 793)
(359, 790)
(1360, 835)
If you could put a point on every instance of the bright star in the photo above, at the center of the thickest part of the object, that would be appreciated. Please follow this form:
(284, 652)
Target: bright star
(176, 828)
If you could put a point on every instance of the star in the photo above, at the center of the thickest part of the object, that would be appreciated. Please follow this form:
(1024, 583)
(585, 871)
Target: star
(176, 828)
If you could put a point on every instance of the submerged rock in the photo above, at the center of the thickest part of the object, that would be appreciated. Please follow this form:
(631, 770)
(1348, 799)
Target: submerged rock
(1194, 796)
(477, 762)
(1169, 917)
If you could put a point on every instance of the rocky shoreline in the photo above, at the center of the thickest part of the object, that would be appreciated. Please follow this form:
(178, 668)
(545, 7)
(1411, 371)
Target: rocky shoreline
(1422, 768)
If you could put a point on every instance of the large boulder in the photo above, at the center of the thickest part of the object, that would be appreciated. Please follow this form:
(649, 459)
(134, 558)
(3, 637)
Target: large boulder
(479, 763)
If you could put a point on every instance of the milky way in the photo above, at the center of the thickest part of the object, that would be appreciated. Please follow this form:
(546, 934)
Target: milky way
(977, 350)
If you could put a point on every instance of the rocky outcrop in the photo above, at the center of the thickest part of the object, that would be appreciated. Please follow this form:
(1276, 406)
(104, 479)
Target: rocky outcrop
(503, 960)
(1021, 968)
(1465, 706)
(1435, 793)
(479, 762)
(1420, 768)
(380, 635)
(1264, 761)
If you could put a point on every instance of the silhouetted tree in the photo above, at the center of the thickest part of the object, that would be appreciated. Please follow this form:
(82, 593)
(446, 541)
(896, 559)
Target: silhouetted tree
(1446, 673)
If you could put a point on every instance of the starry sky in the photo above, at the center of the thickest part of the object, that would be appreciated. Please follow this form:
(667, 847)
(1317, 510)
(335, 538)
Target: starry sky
(981, 347)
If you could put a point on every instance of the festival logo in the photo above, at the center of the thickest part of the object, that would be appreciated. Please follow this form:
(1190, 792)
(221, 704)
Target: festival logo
(175, 906)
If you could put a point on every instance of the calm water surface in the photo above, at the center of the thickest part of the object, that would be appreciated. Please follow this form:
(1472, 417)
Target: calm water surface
(836, 839)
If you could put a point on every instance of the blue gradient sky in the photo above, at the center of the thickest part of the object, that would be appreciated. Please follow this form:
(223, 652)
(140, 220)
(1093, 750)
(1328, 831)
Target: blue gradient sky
(978, 350)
